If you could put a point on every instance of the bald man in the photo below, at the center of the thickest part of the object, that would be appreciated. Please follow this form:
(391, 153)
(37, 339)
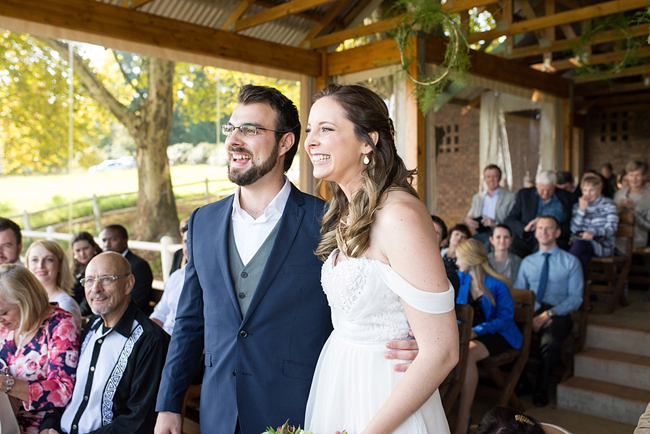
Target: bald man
(121, 358)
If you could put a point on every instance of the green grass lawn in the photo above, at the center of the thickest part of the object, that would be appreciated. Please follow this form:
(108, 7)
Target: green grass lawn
(37, 192)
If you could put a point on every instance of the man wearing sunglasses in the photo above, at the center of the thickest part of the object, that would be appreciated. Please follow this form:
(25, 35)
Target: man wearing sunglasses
(121, 358)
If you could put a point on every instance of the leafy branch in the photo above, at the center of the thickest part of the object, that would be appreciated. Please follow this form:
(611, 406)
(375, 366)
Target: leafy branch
(427, 16)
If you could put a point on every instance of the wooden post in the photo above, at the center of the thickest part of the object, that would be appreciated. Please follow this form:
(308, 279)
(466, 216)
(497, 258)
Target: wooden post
(207, 191)
(323, 79)
(415, 153)
(306, 183)
(567, 134)
(166, 257)
(507, 22)
(97, 214)
(26, 224)
(49, 231)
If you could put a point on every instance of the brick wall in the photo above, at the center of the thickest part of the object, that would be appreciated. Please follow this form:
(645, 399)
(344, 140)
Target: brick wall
(457, 168)
(616, 136)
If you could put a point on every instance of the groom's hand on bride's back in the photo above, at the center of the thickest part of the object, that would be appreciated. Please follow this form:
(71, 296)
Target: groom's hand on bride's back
(404, 349)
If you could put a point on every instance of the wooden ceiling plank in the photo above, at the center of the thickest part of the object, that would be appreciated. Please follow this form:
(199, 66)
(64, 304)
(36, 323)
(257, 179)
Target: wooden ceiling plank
(237, 14)
(276, 12)
(593, 11)
(327, 18)
(567, 44)
(503, 70)
(627, 72)
(614, 56)
(115, 22)
(134, 4)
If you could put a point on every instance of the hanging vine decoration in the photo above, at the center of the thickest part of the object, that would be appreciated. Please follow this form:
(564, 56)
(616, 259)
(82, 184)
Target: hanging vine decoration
(619, 23)
(425, 16)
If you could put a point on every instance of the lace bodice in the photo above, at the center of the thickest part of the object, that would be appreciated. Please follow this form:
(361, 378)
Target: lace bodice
(364, 295)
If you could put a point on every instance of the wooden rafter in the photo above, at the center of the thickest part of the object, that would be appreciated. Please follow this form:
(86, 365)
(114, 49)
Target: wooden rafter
(355, 32)
(614, 56)
(274, 13)
(627, 72)
(355, 12)
(614, 100)
(610, 89)
(560, 18)
(530, 14)
(134, 4)
(571, 4)
(238, 13)
(567, 44)
(327, 18)
(111, 22)
(307, 15)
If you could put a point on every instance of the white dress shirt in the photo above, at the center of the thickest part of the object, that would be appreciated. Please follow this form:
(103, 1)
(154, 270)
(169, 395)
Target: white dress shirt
(250, 233)
(490, 204)
(165, 310)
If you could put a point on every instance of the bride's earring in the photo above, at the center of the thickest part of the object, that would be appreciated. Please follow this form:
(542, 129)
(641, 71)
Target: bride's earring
(366, 160)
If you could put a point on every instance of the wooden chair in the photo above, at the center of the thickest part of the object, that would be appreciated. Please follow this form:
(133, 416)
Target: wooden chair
(641, 272)
(452, 385)
(191, 401)
(608, 275)
(506, 381)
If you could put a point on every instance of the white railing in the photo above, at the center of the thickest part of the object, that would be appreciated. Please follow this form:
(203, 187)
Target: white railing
(166, 247)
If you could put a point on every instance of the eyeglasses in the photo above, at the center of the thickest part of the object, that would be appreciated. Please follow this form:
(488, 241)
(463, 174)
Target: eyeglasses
(103, 280)
(247, 130)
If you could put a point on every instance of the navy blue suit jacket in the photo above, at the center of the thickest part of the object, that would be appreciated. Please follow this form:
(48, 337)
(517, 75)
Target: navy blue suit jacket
(258, 367)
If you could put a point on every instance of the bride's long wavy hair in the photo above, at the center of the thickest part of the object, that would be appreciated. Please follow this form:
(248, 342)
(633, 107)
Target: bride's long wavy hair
(346, 225)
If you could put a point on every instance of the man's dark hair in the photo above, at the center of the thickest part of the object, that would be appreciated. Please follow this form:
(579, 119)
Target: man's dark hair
(286, 112)
(563, 177)
(119, 229)
(10, 224)
(502, 420)
(463, 229)
(442, 224)
(607, 166)
(502, 226)
(493, 167)
(550, 217)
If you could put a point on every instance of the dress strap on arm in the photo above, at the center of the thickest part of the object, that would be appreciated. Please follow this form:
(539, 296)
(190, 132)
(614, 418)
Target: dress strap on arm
(429, 302)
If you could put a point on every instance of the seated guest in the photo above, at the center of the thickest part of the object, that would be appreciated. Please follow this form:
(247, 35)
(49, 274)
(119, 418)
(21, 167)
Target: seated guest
(441, 230)
(594, 223)
(543, 199)
(49, 263)
(84, 248)
(39, 345)
(621, 181)
(490, 207)
(555, 276)
(121, 359)
(501, 258)
(494, 330)
(457, 234)
(607, 172)
(643, 427)
(164, 314)
(565, 182)
(10, 242)
(636, 198)
(115, 239)
(503, 420)
(179, 259)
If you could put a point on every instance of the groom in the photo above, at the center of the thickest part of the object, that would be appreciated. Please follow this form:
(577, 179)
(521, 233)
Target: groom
(252, 295)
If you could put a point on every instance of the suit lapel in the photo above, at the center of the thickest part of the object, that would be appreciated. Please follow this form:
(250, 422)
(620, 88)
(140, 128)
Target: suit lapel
(222, 223)
(289, 224)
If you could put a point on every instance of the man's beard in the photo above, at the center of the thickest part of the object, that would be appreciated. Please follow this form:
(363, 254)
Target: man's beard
(255, 172)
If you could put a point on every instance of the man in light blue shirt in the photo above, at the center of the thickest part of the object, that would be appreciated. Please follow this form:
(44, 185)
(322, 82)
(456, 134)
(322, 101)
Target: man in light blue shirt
(555, 276)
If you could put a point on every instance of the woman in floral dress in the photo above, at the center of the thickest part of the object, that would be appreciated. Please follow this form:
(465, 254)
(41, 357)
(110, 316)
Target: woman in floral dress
(39, 346)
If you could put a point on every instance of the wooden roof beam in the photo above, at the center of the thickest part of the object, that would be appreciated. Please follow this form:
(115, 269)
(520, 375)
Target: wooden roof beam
(306, 15)
(593, 11)
(614, 56)
(627, 72)
(114, 23)
(241, 9)
(567, 44)
(614, 100)
(327, 18)
(610, 89)
(274, 13)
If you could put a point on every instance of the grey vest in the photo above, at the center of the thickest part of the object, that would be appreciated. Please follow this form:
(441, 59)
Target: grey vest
(246, 277)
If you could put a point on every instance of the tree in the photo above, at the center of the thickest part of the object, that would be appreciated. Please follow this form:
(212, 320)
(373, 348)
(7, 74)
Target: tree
(147, 118)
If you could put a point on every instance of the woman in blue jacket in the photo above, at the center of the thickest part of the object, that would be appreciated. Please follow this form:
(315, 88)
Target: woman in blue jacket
(494, 330)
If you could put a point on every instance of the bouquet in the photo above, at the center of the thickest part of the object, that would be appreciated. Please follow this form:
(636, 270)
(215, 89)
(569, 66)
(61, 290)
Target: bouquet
(289, 429)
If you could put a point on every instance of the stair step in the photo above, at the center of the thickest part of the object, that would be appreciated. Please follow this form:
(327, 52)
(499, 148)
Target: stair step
(598, 398)
(614, 367)
(618, 339)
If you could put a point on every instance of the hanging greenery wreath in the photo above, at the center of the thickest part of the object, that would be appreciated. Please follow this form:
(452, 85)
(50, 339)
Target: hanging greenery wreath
(425, 16)
(619, 23)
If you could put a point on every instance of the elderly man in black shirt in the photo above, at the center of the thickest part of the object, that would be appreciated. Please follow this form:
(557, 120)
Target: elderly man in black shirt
(120, 362)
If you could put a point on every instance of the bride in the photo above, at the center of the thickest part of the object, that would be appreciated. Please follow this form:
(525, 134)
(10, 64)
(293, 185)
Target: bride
(383, 276)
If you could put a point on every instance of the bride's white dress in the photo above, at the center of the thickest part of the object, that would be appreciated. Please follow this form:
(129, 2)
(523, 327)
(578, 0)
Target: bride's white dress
(352, 378)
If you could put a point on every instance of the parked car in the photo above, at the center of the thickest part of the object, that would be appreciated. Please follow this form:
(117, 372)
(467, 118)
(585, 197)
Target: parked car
(127, 162)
